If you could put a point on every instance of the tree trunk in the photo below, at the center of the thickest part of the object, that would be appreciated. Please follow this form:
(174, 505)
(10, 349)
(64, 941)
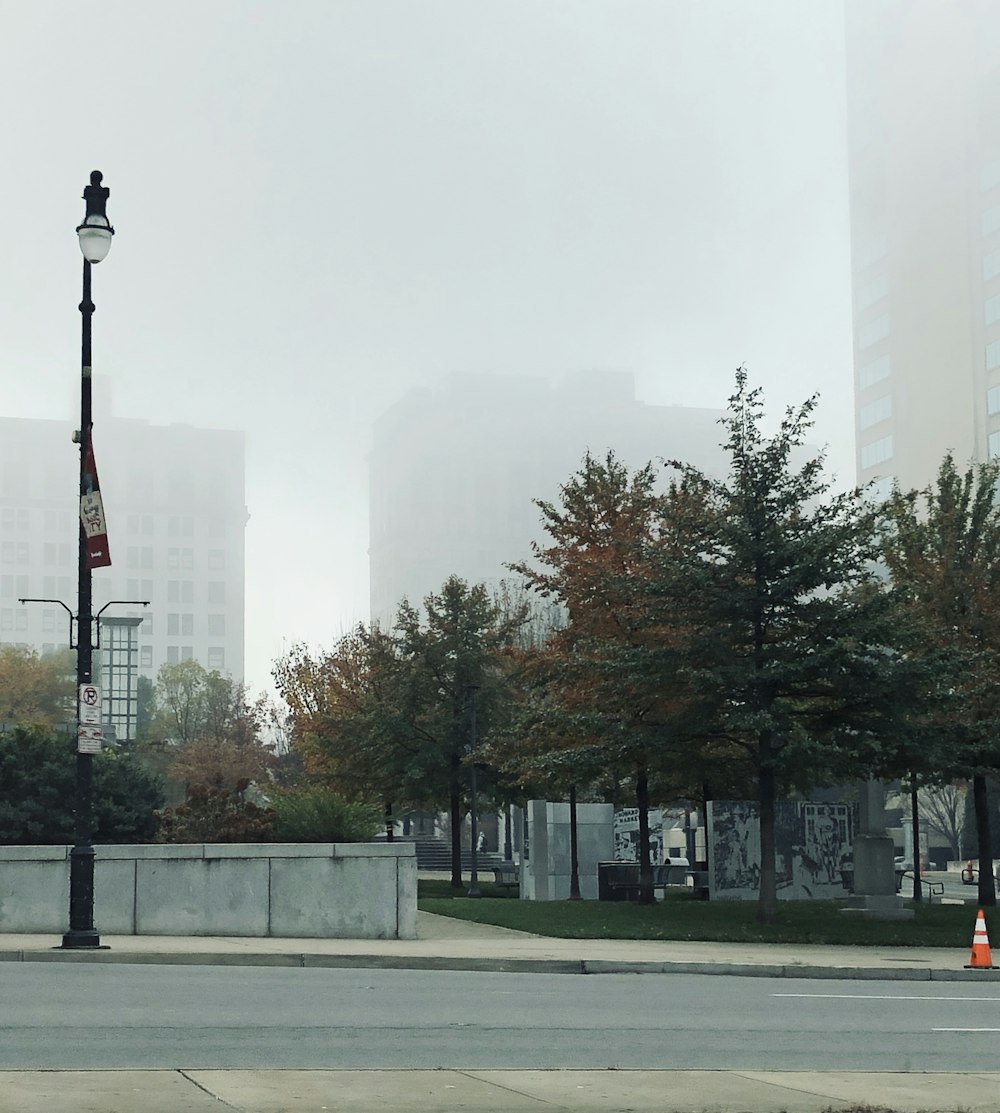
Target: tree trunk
(767, 905)
(987, 890)
(456, 823)
(646, 895)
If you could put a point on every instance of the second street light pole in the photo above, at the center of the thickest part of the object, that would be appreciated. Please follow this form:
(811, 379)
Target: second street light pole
(95, 240)
(474, 890)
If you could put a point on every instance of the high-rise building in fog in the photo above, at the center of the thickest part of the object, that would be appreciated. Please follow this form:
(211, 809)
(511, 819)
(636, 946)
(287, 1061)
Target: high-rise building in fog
(175, 505)
(923, 84)
(454, 471)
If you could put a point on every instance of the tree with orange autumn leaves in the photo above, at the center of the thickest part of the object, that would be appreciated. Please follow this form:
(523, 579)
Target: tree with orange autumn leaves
(605, 701)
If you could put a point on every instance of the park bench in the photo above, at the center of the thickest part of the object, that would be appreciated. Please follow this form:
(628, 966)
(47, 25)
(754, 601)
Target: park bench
(506, 875)
(623, 878)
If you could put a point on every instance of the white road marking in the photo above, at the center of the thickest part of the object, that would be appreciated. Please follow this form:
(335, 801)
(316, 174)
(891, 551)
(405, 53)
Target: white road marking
(883, 997)
(965, 1029)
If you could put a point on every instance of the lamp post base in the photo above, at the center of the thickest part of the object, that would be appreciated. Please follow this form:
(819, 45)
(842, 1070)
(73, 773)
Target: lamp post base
(82, 940)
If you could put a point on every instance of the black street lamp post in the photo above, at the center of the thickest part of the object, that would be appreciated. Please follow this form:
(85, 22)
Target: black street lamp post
(474, 890)
(95, 240)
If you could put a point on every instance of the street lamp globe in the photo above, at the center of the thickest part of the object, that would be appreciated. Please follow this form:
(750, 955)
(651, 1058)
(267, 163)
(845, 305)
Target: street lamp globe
(95, 232)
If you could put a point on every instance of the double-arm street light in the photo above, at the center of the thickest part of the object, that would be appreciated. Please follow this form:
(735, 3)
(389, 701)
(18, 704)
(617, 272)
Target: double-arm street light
(95, 241)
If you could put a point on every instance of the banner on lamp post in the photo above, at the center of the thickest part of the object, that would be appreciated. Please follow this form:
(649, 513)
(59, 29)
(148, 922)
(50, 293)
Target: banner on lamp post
(95, 526)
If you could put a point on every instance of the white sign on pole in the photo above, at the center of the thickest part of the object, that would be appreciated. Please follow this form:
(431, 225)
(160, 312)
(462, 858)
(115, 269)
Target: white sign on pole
(90, 704)
(88, 739)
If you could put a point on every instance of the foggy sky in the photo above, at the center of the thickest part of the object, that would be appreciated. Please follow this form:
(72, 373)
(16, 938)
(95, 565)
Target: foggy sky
(320, 204)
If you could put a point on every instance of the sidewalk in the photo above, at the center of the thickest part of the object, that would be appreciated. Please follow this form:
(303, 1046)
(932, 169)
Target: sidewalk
(444, 943)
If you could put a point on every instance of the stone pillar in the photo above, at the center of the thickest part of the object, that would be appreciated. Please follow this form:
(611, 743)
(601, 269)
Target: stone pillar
(874, 869)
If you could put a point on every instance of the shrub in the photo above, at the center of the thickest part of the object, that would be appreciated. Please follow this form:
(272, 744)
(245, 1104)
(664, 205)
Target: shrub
(37, 791)
(212, 813)
(318, 815)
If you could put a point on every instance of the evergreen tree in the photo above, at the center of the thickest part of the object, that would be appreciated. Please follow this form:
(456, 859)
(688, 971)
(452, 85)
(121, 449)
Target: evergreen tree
(772, 577)
(37, 791)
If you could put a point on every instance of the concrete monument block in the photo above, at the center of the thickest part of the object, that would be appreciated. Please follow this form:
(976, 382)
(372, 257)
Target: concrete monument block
(34, 895)
(215, 896)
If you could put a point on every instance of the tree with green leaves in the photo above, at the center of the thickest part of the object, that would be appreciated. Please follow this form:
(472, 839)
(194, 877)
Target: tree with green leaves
(942, 549)
(387, 716)
(37, 791)
(788, 632)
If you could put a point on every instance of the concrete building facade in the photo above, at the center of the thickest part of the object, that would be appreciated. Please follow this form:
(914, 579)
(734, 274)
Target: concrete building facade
(923, 84)
(454, 471)
(175, 504)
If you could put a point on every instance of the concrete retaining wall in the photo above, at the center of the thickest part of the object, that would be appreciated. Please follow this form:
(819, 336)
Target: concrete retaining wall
(294, 890)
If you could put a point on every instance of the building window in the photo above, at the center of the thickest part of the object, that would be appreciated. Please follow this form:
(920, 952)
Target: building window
(173, 558)
(187, 653)
(217, 625)
(217, 559)
(216, 658)
(868, 293)
(48, 620)
(132, 556)
(991, 309)
(216, 591)
(171, 654)
(871, 251)
(173, 625)
(20, 619)
(989, 175)
(874, 372)
(15, 518)
(877, 452)
(187, 558)
(7, 618)
(874, 412)
(145, 656)
(993, 355)
(873, 331)
(180, 591)
(993, 400)
(990, 220)
(187, 625)
(994, 444)
(991, 265)
(879, 489)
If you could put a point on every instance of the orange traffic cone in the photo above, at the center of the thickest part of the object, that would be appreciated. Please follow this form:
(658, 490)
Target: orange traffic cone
(981, 957)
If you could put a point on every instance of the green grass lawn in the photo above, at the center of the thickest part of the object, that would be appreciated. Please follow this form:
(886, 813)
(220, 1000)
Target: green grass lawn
(681, 917)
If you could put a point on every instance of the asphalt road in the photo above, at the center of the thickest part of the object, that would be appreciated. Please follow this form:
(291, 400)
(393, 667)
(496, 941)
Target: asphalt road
(55, 1016)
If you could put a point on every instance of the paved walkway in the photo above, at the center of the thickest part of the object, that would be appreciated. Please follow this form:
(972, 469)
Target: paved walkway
(449, 944)
(444, 943)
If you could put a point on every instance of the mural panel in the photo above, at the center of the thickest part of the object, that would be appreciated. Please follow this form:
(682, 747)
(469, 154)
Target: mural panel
(626, 826)
(812, 843)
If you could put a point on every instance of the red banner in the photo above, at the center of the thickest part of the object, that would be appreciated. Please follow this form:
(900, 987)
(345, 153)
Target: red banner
(92, 509)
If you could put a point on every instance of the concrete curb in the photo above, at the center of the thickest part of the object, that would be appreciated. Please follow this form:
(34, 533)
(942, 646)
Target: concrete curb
(500, 965)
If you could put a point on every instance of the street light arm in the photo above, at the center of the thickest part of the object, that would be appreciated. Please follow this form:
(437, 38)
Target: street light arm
(58, 603)
(111, 603)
